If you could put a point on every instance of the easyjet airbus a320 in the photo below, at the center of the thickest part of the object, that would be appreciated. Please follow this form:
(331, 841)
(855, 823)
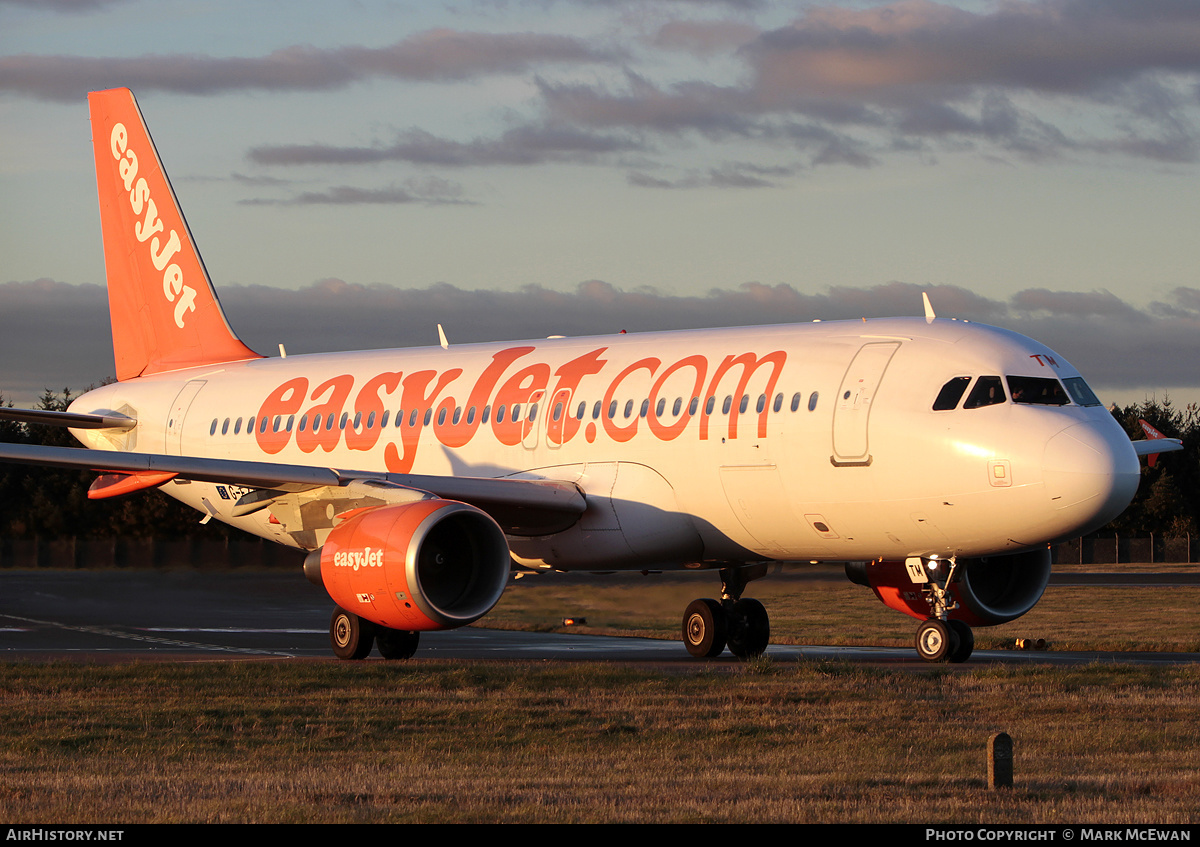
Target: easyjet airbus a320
(938, 458)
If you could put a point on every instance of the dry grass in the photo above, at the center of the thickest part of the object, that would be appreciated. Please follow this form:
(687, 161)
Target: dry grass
(439, 742)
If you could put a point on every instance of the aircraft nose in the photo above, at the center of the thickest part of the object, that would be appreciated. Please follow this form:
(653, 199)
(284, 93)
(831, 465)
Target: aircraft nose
(1091, 474)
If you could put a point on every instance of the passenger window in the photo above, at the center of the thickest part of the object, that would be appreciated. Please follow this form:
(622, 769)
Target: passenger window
(951, 393)
(778, 403)
(1039, 390)
(812, 401)
(988, 391)
(796, 402)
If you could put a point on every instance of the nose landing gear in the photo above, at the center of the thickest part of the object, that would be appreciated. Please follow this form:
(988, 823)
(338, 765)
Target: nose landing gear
(941, 639)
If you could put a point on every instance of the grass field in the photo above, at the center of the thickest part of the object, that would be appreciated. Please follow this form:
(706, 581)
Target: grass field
(522, 742)
(435, 741)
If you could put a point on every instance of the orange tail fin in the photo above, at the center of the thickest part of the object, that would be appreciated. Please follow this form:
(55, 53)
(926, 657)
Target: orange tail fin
(165, 314)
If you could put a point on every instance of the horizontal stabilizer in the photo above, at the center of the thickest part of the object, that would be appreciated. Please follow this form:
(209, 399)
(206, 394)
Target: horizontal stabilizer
(68, 419)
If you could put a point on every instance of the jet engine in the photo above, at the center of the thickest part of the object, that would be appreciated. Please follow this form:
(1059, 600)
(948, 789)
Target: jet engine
(427, 565)
(988, 591)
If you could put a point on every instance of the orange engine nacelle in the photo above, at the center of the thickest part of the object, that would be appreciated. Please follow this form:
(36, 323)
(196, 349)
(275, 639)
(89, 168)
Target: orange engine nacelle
(989, 591)
(431, 564)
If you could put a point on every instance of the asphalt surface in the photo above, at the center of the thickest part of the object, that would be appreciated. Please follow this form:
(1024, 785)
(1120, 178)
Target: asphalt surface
(111, 616)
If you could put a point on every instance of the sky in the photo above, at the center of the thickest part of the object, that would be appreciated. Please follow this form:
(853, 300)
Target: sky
(356, 172)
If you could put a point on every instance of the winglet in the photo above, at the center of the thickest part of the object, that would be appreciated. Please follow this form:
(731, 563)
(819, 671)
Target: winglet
(164, 311)
(442, 338)
(929, 314)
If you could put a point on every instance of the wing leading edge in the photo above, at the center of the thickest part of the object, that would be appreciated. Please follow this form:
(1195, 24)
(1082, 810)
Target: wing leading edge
(519, 506)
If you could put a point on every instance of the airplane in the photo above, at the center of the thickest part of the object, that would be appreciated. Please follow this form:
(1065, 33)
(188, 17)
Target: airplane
(937, 458)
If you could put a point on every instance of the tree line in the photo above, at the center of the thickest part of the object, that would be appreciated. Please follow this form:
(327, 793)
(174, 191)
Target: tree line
(52, 503)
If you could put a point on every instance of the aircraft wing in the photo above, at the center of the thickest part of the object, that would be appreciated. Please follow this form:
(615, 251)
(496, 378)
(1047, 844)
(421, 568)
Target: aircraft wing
(1154, 446)
(519, 506)
(1154, 443)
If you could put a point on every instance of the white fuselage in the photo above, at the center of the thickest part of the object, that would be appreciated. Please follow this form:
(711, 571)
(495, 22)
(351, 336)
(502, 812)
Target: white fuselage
(798, 442)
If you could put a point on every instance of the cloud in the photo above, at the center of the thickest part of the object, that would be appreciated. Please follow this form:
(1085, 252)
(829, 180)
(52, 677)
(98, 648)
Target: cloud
(916, 75)
(526, 145)
(733, 175)
(704, 37)
(426, 190)
(1075, 303)
(68, 6)
(887, 53)
(51, 335)
(435, 56)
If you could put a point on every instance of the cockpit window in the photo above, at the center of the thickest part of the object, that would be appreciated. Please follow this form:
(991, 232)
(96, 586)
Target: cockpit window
(951, 393)
(1043, 391)
(1080, 392)
(988, 391)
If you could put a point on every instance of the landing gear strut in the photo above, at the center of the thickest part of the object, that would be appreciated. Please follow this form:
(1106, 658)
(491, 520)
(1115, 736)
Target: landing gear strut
(941, 639)
(743, 625)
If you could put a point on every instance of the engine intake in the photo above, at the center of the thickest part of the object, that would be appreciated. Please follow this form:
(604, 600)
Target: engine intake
(432, 564)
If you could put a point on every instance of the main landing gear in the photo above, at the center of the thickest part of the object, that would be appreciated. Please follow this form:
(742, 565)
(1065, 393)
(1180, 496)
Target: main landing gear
(352, 638)
(741, 624)
(941, 639)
